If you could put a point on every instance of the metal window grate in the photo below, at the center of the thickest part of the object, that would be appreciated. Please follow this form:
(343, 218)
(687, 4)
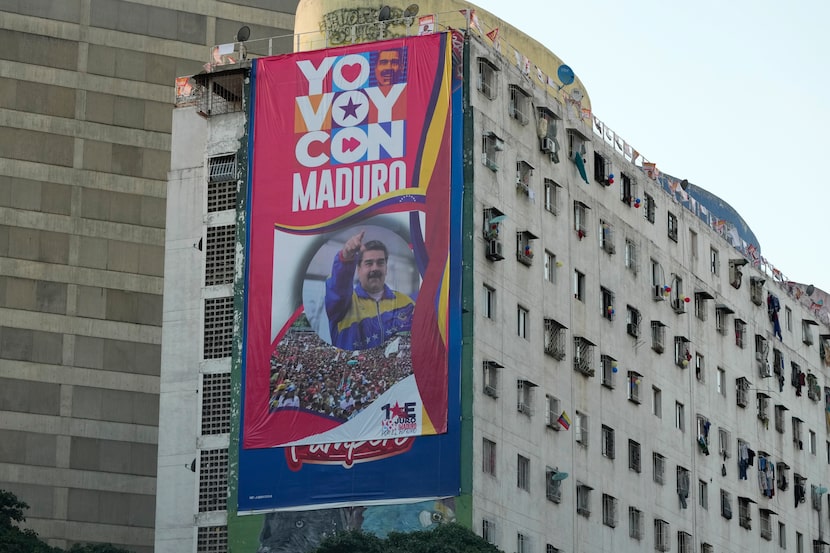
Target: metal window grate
(212, 539)
(220, 255)
(222, 93)
(216, 404)
(218, 337)
(213, 480)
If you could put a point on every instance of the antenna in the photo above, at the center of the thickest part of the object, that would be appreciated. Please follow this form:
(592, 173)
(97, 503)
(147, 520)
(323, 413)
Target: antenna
(243, 34)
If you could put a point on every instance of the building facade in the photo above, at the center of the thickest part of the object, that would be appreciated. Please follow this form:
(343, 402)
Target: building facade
(633, 377)
(88, 91)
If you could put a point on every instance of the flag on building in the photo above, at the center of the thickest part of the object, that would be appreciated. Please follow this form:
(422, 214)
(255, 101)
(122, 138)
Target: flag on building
(564, 421)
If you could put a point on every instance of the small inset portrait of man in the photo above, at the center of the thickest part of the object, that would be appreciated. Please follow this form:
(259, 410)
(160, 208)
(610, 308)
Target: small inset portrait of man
(389, 66)
(361, 287)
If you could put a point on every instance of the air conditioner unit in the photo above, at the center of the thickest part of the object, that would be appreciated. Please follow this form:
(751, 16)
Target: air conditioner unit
(554, 425)
(494, 250)
(658, 293)
(678, 305)
(608, 246)
(632, 329)
(491, 391)
(548, 145)
(524, 408)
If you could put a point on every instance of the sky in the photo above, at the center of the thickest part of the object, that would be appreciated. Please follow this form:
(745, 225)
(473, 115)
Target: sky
(733, 96)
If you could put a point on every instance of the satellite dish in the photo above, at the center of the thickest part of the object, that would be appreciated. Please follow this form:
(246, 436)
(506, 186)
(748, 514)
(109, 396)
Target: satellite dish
(411, 10)
(576, 94)
(243, 34)
(565, 74)
(385, 13)
(498, 218)
(684, 184)
(810, 289)
(557, 476)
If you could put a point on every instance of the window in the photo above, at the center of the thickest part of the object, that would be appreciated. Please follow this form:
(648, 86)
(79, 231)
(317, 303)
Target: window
(742, 392)
(724, 441)
(606, 237)
(519, 107)
(220, 254)
(634, 456)
(799, 542)
(525, 391)
(523, 472)
(607, 303)
(763, 406)
(553, 485)
(684, 543)
(682, 353)
(488, 305)
(581, 428)
(608, 368)
(662, 540)
(216, 404)
(714, 261)
(700, 304)
(756, 290)
(211, 539)
(550, 267)
(609, 510)
(631, 255)
(782, 535)
(491, 229)
(812, 441)
(788, 318)
(607, 442)
(552, 192)
(726, 504)
(547, 129)
(650, 208)
(551, 549)
(213, 480)
(678, 299)
(721, 382)
(693, 245)
(524, 172)
(523, 543)
(740, 333)
(781, 480)
(491, 378)
(632, 321)
(576, 146)
(487, 83)
(602, 169)
(218, 330)
(721, 314)
(744, 513)
(703, 494)
(658, 279)
(707, 548)
(658, 465)
(583, 499)
(581, 219)
(221, 194)
(488, 530)
(658, 336)
(521, 322)
(766, 523)
(797, 432)
(628, 191)
(702, 426)
(524, 249)
(579, 285)
(679, 416)
(779, 418)
(656, 402)
(583, 356)
(553, 413)
(634, 380)
(490, 146)
(554, 339)
(682, 475)
(699, 366)
(635, 523)
(672, 226)
(488, 457)
(807, 331)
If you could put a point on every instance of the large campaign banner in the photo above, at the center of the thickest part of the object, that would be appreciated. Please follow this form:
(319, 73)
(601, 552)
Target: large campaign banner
(348, 303)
